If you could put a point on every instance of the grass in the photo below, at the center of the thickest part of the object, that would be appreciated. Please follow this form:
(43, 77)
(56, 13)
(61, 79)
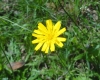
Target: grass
(79, 58)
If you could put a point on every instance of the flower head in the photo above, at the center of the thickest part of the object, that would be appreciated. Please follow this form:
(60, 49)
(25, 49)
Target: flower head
(47, 37)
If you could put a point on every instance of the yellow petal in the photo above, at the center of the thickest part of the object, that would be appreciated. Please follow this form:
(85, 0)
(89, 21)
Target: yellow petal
(57, 26)
(35, 41)
(49, 25)
(47, 49)
(52, 47)
(44, 47)
(61, 31)
(38, 46)
(60, 44)
(42, 27)
(38, 32)
(37, 35)
(61, 39)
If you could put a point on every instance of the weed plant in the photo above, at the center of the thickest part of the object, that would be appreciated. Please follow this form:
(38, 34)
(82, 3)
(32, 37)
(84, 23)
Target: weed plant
(79, 59)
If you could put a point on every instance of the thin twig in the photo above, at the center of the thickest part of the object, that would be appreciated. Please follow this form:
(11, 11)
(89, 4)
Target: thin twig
(70, 16)
(67, 13)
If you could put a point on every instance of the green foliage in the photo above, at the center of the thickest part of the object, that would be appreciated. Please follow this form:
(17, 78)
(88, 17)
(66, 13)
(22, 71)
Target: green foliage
(79, 59)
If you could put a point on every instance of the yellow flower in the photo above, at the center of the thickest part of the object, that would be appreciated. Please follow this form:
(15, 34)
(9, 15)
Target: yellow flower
(48, 36)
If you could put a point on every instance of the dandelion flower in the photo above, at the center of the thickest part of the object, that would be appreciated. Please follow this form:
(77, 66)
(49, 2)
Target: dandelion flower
(47, 37)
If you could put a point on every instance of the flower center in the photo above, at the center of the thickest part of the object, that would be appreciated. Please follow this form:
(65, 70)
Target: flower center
(50, 36)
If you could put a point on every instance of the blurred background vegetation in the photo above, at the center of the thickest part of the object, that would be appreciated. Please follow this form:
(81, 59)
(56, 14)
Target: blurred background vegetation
(79, 59)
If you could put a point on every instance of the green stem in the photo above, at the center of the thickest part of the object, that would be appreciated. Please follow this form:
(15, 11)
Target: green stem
(15, 24)
(8, 61)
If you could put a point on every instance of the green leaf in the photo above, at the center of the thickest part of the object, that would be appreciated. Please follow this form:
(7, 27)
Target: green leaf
(78, 57)
(81, 78)
(0, 67)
